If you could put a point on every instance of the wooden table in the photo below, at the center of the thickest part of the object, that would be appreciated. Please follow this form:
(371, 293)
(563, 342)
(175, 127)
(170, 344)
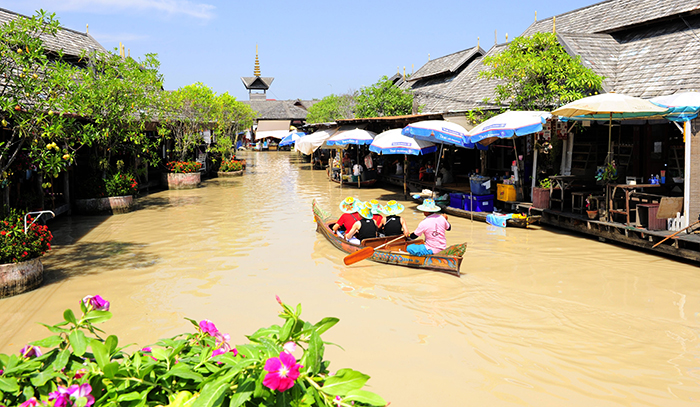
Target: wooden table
(628, 189)
(563, 182)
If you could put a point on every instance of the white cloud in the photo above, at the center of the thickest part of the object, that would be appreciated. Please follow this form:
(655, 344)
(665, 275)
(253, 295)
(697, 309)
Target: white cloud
(185, 7)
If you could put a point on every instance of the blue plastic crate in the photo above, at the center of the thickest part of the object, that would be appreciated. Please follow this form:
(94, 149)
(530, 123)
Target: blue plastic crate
(478, 203)
(457, 200)
(476, 183)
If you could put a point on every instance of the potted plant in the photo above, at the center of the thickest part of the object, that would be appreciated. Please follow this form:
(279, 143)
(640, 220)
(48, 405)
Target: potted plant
(182, 174)
(114, 194)
(592, 213)
(20, 267)
(230, 168)
(540, 195)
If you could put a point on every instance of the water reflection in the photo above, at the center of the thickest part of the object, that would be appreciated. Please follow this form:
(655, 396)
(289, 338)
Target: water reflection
(538, 318)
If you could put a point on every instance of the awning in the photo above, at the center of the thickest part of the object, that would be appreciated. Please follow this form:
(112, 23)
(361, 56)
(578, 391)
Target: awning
(272, 128)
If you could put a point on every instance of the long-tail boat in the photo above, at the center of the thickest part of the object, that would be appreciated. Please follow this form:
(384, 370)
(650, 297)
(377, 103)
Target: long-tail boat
(447, 261)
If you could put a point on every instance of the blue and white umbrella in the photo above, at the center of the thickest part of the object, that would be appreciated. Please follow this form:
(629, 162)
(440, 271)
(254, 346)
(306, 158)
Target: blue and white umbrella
(393, 142)
(353, 136)
(682, 106)
(508, 125)
(291, 138)
(437, 131)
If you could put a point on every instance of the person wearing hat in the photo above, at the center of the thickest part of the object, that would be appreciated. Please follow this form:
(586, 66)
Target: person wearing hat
(433, 229)
(365, 228)
(349, 208)
(394, 225)
(377, 213)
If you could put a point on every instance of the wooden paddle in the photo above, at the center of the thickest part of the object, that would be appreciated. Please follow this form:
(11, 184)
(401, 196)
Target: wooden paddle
(365, 253)
(685, 228)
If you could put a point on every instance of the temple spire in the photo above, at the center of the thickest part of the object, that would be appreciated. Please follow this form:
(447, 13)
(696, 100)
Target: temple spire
(256, 71)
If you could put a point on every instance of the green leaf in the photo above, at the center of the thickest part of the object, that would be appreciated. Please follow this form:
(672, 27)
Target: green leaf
(111, 369)
(70, 317)
(134, 395)
(111, 343)
(50, 342)
(212, 394)
(314, 354)
(61, 360)
(243, 393)
(364, 396)
(286, 329)
(78, 341)
(42, 377)
(325, 324)
(8, 384)
(100, 351)
(95, 317)
(345, 380)
(184, 371)
(55, 328)
(159, 353)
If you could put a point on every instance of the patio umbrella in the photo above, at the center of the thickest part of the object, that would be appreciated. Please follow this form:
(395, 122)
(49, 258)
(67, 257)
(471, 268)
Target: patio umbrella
(683, 107)
(291, 138)
(437, 131)
(609, 106)
(352, 136)
(309, 144)
(393, 142)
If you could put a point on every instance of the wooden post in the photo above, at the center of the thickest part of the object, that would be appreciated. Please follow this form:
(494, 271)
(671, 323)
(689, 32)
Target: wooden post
(66, 189)
(405, 177)
(686, 173)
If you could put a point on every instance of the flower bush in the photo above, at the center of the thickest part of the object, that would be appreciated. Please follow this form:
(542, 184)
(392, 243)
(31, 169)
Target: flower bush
(607, 173)
(81, 367)
(183, 167)
(119, 184)
(230, 166)
(16, 246)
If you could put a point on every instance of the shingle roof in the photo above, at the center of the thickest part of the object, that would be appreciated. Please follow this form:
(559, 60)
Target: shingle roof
(262, 82)
(611, 15)
(599, 52)
(449, 64)
(71, 42)
(280, 109)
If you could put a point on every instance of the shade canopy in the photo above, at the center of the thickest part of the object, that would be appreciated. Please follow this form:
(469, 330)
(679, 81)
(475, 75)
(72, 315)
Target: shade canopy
(309, 144)
(609, 106)
(508, 125)
(393, 142)
(352, 136)
(681, 106)
(291, 138)
(437, 131)
(277, 129)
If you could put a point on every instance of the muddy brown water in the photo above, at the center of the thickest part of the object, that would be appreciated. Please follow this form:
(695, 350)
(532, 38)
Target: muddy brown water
(538, 317)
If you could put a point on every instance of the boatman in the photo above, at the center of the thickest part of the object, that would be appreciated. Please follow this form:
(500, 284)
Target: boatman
(349, 208)
(433, 229)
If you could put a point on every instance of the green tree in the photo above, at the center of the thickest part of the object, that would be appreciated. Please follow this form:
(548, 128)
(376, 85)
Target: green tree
(33, 93)
(187, 112)
(383, 99)
(119, 95)
(231, 118)
(331, 108)
(536, 73)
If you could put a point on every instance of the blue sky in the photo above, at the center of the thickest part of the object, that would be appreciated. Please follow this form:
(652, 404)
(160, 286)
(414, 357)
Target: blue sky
(312, 48)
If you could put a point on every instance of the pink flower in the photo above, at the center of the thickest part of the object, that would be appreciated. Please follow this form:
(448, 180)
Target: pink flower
(96, 302)
(277, 297)
(148, 349)
(290, 347)
(208, 327)
(83, 390)
(60, 397)
(79, 374)
(31, 351)
(32, 402)
(282, 372)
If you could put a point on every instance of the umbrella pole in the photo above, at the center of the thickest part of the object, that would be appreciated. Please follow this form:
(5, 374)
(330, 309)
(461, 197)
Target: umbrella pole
(358, 163)
(520, 173)
(437, 168)
(608, 158)
(405, 180)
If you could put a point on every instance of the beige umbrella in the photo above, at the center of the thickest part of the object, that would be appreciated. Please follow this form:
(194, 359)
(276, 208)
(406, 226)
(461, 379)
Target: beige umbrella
(609, 106)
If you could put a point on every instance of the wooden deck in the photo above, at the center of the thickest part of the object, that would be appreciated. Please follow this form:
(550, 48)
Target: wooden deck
(684, 245)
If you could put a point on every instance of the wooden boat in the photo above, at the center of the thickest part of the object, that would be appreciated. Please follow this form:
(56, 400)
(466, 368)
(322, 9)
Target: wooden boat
(481, 216)
(447, 261)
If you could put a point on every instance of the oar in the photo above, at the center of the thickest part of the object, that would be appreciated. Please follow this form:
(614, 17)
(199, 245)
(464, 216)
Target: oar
(365, 253)
(685, 228)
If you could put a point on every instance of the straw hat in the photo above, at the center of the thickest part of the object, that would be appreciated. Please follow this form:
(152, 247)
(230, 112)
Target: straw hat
(348, 205)
(376, 208)
(428, 206)
(365, 210)
(392, 208)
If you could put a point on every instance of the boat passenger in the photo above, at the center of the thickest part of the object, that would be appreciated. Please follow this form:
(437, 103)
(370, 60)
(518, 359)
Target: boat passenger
(365, 228)
(394, 225)
(433, 229)
(377, 214)
(349, 208)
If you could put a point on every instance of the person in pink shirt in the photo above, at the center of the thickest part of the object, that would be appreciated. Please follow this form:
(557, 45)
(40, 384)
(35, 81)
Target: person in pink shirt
(433, 229)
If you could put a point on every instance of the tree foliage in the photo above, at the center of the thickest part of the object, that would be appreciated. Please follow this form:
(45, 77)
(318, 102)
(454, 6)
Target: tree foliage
(383, 99)
(231, 118)
(538, 74)
(332, 108)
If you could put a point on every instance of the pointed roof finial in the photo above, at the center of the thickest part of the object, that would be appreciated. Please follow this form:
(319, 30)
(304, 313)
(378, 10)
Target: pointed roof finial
(256, 71)
(87, 28)
(554, 24)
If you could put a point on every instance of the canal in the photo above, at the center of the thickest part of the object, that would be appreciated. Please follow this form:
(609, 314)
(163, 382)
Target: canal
(538, 317)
